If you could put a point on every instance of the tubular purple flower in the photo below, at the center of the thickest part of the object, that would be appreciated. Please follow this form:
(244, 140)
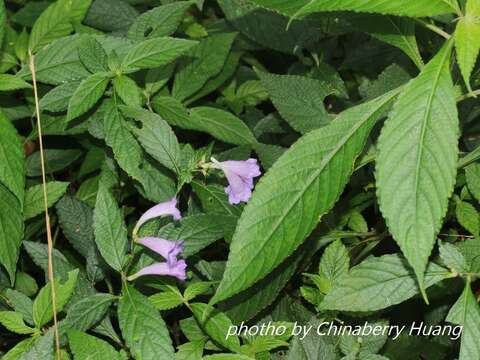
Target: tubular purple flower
(178, 270)
(162, 209)
(240, 176)
(168, 249)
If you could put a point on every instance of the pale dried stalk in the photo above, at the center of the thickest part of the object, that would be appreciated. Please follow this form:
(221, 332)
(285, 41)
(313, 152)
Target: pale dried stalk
(51, 277)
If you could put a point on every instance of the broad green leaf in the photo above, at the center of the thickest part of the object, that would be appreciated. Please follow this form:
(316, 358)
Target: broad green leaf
(389, 277)
(87, 94)
(392, 77)
(156, 52)
(308, 179)
(56, 21)
(466, 313)
(21, 303)
(34, 203)
(362, 347)
(192, 350)
(11, 230)
(160, 21)
(89, 311)
(468, 217)
(204, 61)
(467, 39)
(57, 99)
(12, 162)
(472, 173)
(111, 15)
(109, 229)
(197, 288)
(42, 306)
(413, 8)
(216, 325)
(42, 348)
(143, 328)
(10, 82)
(13, 321)
(88, 347)
(93, 55)
(127, 90)
(453, 258)
(221, 125)
(55, 160)
(298, 99)
(417, 160)
(168, 299)
(172, 111)
(335, 261)
(20, 348)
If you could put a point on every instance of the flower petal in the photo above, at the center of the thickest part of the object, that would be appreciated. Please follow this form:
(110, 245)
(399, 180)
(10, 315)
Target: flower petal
(168, 249)
(177, 270)
(162, 209)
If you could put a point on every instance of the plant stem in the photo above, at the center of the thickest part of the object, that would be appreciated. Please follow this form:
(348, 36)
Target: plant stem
(51, 277)
(434, 28)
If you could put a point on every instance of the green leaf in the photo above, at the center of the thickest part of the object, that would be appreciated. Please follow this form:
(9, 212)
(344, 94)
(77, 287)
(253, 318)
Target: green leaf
(465, 312)
(270, 227)
(143, 328)
(21, 303)
(335, 261)
(42, 306)
(197, 288)
(55, 160)
(192, 350)
(10, 82)
(87, 94)
(111, 15)
(20, 348)
(88, 347)
(467, 39)
(417, 160)
(88, 312)
(109, 228)
(34, 203)
(172, 111)
(12, 163)
(362, 347)
(389, 277)
(127, 90)
(298, 99)
(3, 21)
(93, 55)
(221, 125)
(468, 217)
(160, 21)
(227, 357)
(472, 173)
(13, 321)
(56, 21)
(156, 52)
(412, 8)
(11, 230)
(168, 299)
(204, 61)
(57, 99)
(453, 258)
(42, 348)
(216, 325)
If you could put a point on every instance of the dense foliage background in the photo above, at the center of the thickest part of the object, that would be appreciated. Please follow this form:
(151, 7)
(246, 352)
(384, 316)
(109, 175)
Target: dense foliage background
(361, 115)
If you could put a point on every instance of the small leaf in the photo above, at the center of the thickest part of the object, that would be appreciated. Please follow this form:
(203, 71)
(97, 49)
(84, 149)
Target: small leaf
(88, 347)
(92, 55)
(197, 288)
(11, 82)
(127, 90)
(468, 217)
(335, 261)
(88, 312)
(57, 99)
(166, 300)
(453, 257)
(13, 321)
(34, 203)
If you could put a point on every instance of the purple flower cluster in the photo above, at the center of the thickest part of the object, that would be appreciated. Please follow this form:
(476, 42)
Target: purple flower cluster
(169, 250)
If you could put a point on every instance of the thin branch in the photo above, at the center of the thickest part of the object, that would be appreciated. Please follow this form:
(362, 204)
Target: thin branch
(51, 277)
(434, 28)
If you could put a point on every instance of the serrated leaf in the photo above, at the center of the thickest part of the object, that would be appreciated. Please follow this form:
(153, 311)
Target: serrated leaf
(221, 125)
(88, 347)
(472, 173)
(468, 217)
(453, 257)
(197, 288)
(12, 161)
(13, 321)
(467, 39)
(111, 15)
(192, 350)
(109, 229)
(203, 62)
(308, 179)
(34, 203)
(20, 348)
(10, 82)
(298, 99)
(465, 312)
(156, 52)
(143, 328)
(11, 230)
(42, 306)
(87, 312)
(389, 277)
(93, 55)
(57, 99)
(87, 94)
(335, 261)
(42, 348)
(55, 160)
(21, 303)
(417, 160)
(127, 90)
(167, 299)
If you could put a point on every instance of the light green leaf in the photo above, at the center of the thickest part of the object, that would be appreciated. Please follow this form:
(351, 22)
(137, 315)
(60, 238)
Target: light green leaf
(89, 311)
(56, 21)
(57, 99)
(335, 261)
(467, 39)
(109, 228)
(453, 257)
(417, 160)
(11, 230)
(168, 299)
(127, 90)
(143, 328)
(204, 61)
(227, 357)
(42, 306)
(55, 160)
(192, 350)
(221, 125)
(88, 347)
(216, 325)
(172, 111)
(87, 94)
(465, 312)
(156, 52)
(197, 288)
(472, 173)
(270, 227)
(20, 348)
(389, 277)
(12, 161)
(93, 55)
(34, 203)
(42, 348)
(13, 321)
(10, 82)
(468, 217)
(298, 99)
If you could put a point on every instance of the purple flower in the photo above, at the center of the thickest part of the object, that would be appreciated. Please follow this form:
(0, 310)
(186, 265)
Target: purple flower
(168, 249)
(240, 176)
(178, 270)
(162, 209)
